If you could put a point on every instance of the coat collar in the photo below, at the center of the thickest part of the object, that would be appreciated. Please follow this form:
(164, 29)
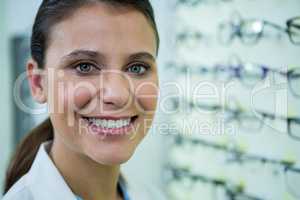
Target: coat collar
(44, 176)
(47, 182)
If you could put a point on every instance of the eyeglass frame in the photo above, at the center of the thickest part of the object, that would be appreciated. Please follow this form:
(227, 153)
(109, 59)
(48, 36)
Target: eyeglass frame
(236, 28)
(241, 156)
(195, 2)
(235, 71)
(289, 25)
(231, 191)
(238, 112)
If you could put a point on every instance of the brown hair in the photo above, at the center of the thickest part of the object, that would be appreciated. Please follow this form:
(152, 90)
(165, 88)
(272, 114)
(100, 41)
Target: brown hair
(51, 12)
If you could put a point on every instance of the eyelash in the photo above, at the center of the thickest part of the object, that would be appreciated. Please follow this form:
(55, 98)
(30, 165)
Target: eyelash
(76, 67)
(147, 67)
(80, 73)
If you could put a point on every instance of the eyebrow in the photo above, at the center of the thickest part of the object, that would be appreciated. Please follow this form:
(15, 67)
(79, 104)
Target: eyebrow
(93, 54)
(142, 55)
(82, 52)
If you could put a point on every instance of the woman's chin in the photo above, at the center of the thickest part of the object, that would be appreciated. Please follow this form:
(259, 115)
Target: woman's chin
(111, 159)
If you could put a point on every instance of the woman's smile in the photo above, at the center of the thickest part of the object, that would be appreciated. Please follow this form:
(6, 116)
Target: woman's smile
(110, 127)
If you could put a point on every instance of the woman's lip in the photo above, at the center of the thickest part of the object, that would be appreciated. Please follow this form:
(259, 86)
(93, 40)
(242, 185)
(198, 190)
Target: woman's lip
(110, 132)
(110, 117)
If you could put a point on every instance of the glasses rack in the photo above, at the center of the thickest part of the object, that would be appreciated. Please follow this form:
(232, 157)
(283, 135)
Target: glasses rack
(246, 56)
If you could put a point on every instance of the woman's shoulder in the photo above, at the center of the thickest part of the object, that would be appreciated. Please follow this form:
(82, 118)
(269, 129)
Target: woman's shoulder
(42, 181)
(20, 190)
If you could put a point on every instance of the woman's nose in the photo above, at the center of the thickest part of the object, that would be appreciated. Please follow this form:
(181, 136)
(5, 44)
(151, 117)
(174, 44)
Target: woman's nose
(114, 92)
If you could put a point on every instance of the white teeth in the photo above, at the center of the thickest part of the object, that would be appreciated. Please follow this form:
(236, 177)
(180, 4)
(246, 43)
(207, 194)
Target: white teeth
(110, 123)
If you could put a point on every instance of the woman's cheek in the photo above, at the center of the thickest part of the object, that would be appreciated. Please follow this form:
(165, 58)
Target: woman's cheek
(147, 95)
(73, 99)
(81, 98)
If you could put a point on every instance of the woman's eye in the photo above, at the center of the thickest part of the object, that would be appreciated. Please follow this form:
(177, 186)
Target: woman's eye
(85, 68)
(138, 69)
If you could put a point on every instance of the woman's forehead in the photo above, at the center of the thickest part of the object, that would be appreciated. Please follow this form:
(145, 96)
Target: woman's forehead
(98, 27)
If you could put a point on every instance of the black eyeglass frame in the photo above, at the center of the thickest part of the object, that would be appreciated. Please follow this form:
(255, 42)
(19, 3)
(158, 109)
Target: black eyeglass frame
(192, 3)
(290, 25)
(236, 29)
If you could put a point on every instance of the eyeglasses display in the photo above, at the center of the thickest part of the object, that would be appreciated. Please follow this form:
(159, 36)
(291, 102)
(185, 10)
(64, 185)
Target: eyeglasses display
(189, 38)
(290, 172)
(205, 35)
(293, 77)
(229, 190)
(235, 155)
(184, 69)
(293, 25)
(192, 3)
(248, 73)
(251, 73)
(248, 121)
(251, 31)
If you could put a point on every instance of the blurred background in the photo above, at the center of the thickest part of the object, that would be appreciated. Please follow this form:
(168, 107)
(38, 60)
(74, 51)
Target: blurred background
(228, 121)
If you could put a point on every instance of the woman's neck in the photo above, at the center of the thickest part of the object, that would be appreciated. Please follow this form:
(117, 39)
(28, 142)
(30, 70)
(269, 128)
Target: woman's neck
(85, 177)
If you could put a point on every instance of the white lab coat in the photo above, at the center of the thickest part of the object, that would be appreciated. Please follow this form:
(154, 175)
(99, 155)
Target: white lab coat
(44, 182)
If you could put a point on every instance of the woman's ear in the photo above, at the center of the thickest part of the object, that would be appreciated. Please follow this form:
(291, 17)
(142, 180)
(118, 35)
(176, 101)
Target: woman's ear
(36, 81)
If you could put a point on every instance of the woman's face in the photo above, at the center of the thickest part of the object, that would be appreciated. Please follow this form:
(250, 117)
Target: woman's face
(101, 62)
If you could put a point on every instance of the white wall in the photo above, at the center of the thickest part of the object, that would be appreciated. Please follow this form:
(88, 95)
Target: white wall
(5, 100)
(16, 17)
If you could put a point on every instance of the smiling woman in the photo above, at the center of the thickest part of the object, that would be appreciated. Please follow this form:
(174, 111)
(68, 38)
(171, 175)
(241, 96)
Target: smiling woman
(94, 63)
